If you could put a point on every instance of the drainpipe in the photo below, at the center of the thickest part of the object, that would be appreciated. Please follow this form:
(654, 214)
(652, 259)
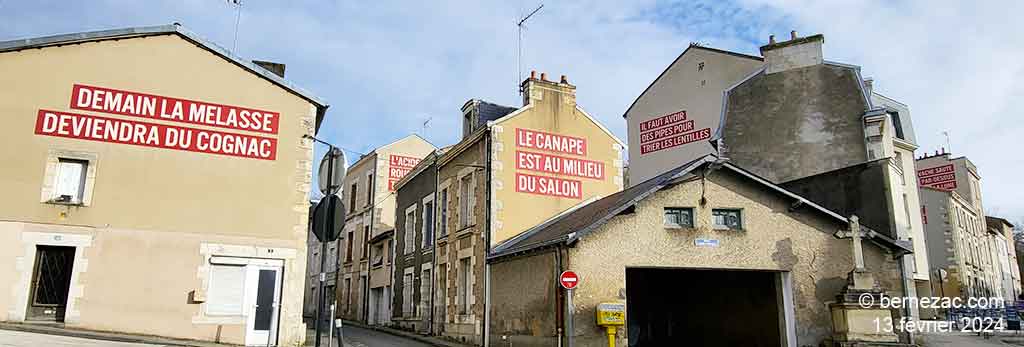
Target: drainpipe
(559, 304)
(487, 241)
(366, 246)
(433, 255)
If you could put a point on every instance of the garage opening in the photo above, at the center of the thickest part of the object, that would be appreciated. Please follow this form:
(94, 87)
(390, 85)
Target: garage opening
(694, 307)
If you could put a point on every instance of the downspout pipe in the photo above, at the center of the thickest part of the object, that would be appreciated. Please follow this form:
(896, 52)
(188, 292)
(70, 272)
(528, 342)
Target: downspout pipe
(487, 239)
(366, 244)
(433, 254)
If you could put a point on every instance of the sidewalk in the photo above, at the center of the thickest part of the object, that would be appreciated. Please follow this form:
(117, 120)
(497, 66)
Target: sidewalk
(54, 329)
(430, 340)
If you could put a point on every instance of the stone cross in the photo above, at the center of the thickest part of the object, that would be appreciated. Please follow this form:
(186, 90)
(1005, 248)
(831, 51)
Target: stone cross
(858, 251)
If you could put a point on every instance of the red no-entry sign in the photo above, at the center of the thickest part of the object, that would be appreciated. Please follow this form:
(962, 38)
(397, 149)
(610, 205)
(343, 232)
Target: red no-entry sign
(568, 279)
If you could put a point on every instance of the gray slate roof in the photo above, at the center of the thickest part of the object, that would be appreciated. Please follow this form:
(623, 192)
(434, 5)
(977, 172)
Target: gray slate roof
(570, 226)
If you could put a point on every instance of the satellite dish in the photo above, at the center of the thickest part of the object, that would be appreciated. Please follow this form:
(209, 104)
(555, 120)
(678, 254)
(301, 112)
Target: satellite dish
(332, 171)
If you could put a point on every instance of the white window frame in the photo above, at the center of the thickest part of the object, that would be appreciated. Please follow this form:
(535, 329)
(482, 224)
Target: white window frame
(466, 198)
(463, 284)
(408, 283)
(409, 242)
(215, 284)
(425, 278)
(442, 218)
(677, 225)
(726, 227)
(51, 176)
(427, 229)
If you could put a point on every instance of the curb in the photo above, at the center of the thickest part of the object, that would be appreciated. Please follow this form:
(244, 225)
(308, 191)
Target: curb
(430, 340)
(103, 335)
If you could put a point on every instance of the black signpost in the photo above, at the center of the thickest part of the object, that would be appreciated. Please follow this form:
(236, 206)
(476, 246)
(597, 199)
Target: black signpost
(328, 218)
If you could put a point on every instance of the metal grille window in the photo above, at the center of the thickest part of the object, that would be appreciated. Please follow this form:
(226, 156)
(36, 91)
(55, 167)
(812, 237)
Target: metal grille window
(727, 219)
(226, 290)
(677, 217)
(410, 232)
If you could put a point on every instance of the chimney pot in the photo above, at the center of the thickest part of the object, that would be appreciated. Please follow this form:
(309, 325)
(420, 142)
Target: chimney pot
(771, 39)
(565, 80)
(533, 74)
(543, 76)
(792, 35)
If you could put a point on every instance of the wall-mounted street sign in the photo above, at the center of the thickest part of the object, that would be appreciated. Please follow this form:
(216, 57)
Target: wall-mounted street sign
(705, 243)
(328, 218)
(332, 171)
(568, 279)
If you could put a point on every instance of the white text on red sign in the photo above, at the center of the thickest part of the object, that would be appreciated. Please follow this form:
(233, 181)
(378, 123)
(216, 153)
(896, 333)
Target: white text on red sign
(559, 165)
(671, 118)
(94, 128)
(136, 104)
(550, 186)
(678, 140)
(550, 142)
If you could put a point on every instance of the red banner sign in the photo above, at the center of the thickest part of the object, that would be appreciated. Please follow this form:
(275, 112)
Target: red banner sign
(935, 170)
(550, 186)
(669, 131)
(94, 128)
(559, 165)
(398, 167)
(669, 119)
(674, 141)
(551, 142)
(939, 177)
(136, 104)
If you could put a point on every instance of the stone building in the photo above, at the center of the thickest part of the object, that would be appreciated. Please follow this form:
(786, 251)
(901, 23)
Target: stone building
(793, 118)
(704, 254)
(163, 191)
(1011, 268)
(366, 244)
(416, 222)
(958, 246)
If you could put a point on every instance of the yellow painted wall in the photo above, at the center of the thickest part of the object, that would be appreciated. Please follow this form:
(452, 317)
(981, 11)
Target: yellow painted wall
(552, 109)
(152, 207)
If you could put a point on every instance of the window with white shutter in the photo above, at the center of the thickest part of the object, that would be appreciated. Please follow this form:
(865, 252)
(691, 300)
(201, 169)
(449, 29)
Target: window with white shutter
(70, 185)
(226, 290)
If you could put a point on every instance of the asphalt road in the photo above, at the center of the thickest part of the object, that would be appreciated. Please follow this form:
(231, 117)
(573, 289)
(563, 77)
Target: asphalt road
(359, 337)
(24, 339)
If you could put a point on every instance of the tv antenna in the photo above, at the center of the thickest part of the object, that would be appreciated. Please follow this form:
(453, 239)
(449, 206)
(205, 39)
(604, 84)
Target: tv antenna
(238, 15)
(519, 59)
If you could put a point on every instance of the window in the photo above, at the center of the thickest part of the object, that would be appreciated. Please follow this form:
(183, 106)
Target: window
(463, 286)
(897, 124)
(465, 192)
(70, 185)
(727, 219)
(676, 217)
(428, 224)
(424, 291)
(348, 293)
(348, 248)
(352, 197)
(410, 232)
(226, 290)
(444, 212)
(378, 254)
(407, 286)
(369, 189)
(366, 241)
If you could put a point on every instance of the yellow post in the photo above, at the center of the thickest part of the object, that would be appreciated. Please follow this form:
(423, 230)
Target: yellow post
(611, 335)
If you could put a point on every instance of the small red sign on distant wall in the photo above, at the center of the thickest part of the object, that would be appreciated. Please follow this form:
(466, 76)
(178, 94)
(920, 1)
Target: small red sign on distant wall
(568, 279)
(939, 177)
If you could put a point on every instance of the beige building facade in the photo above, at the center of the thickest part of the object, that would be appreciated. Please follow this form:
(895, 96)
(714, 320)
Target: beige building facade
(163, 191)
(367, 240)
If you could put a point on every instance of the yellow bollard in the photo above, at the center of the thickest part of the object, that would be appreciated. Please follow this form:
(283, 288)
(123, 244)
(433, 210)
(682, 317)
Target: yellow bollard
(611, 335)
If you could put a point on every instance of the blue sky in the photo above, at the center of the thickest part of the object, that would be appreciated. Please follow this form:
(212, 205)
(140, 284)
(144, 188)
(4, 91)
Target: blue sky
(387, 68)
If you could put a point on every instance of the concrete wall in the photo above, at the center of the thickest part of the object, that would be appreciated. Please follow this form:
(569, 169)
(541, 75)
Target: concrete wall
(152, 206)
(693, 83)
(525, 304)
(814, 111)
(800, 243)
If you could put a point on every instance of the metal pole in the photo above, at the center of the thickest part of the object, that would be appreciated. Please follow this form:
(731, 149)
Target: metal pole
(569, 323)
(330, 332)
(328, 219)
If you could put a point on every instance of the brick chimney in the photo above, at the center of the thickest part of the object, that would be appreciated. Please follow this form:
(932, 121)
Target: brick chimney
(796, 53)
(537, 89)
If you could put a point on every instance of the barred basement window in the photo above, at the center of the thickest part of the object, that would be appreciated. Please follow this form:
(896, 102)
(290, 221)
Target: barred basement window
(729, 219)
(677, 217)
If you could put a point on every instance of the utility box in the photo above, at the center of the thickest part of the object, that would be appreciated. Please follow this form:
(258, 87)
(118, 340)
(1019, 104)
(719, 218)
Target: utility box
(611, 314)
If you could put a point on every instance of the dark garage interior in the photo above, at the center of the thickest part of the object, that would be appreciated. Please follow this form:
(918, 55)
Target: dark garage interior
(691, 307)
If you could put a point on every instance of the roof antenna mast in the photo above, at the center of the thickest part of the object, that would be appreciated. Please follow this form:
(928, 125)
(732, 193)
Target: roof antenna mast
(519, 60)
(238, 15)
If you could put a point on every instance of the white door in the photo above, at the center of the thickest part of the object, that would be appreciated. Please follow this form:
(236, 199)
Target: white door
(262, 298)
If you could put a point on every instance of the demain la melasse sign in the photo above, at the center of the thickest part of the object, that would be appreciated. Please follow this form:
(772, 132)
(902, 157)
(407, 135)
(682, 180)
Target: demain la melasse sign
(150, 134)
